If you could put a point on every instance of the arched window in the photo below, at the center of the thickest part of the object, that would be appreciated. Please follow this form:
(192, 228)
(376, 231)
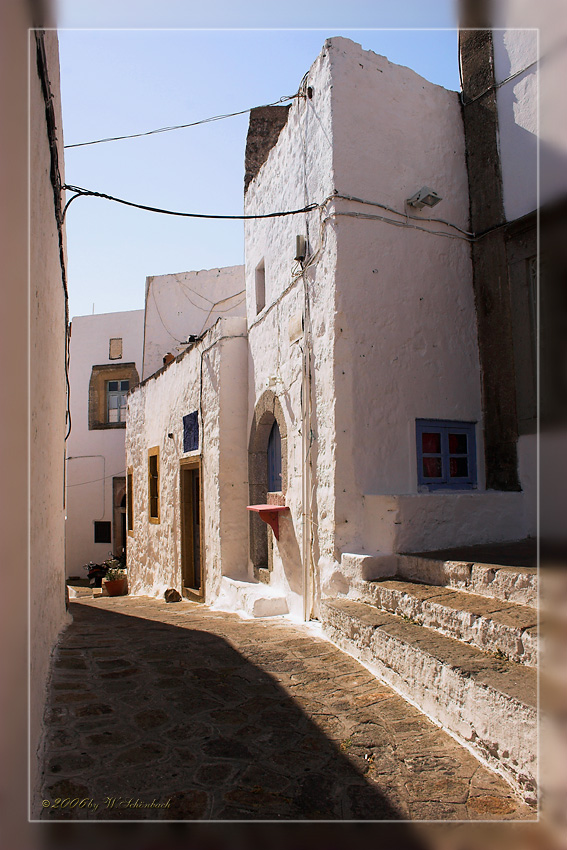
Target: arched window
(274, 460)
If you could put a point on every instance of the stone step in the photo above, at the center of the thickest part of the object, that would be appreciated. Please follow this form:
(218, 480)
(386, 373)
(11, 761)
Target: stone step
(79, 591)
(491, 624)
(489, 704)
(253, 599)
(510, 584)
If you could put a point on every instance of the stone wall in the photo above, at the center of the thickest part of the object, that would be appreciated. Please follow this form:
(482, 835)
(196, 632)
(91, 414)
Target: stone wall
(155, 419)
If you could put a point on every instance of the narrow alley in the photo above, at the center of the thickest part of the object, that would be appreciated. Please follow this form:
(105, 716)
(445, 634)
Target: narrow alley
(180, 712)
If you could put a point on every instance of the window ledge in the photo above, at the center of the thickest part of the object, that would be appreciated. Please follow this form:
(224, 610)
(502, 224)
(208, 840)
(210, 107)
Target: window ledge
(107, 426)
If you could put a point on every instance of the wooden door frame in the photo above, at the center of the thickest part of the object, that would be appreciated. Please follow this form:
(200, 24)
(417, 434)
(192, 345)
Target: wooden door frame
(186, 465)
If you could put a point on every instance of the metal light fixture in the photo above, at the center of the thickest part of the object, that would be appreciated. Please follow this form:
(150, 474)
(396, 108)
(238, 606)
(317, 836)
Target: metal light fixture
(426, 197)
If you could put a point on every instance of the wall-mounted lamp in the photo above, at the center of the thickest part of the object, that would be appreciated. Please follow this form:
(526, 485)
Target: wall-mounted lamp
(426, 197)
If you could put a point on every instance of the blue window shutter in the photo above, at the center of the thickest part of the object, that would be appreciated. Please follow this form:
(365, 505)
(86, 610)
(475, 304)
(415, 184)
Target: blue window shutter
(191, 432)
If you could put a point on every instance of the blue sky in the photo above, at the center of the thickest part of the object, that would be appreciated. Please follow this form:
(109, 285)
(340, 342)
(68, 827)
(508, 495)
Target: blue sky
(117, 82)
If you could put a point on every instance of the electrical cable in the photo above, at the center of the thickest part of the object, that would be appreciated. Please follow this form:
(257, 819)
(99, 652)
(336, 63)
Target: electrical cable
(540, 61)
(466, 235)
(55, 177)
(166, 329)
(283, 99)
(80, 192)
(95, 480)
(404, 214)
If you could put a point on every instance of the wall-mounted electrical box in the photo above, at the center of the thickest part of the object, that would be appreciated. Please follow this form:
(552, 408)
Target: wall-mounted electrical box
(300, 247)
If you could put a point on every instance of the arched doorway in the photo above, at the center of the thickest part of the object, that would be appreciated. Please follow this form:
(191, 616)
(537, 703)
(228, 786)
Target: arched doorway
(267, 476)
(119, 516)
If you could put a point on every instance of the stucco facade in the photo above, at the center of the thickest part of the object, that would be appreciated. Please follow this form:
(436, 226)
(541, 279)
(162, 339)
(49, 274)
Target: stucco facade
(47, 344)
(361, 323)
(187, 304)
(105, 347)
(208, 380)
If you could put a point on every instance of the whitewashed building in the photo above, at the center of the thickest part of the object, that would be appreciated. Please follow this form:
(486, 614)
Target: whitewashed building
(105, 363)
(285, 461)
(185, 305)
(361, 331)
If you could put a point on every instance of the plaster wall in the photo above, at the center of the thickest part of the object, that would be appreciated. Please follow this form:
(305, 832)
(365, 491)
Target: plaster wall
(156, 409)
(178, 305)
(298, 171)
(47, 402)
(405, 326)
(94, 457)
(514, 51)
(422, 522)
(391, 324)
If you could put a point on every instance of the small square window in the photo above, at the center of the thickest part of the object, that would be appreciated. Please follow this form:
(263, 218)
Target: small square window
(446, 454)
(102, 532)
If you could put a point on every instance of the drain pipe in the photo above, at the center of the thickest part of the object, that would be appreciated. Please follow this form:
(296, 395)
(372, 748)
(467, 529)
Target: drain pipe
(306, 477)
(305, 532)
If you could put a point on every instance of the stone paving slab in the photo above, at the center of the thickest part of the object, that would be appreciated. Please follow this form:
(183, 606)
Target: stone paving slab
(177, 712)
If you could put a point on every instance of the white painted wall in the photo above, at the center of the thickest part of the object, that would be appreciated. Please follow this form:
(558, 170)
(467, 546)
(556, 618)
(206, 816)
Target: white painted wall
(298, 171)
(406, 339)
(156, 409)
(393, 324)
(521, 114)
(514, 51)
(47, 405)
(94, 457)
(178, 305)
(391, 330)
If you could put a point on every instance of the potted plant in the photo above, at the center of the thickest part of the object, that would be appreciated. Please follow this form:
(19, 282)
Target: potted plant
(116, 581)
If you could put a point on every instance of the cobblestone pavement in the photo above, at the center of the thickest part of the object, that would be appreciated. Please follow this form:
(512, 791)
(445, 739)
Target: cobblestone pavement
(179, 712)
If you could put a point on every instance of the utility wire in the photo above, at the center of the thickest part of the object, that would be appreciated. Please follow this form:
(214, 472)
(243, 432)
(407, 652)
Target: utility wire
(462, 234)
(182, 126)
(89, 193)
(95, 480)
(55, 178)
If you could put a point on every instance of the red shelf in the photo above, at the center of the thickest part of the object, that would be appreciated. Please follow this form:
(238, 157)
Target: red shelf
(270, 514)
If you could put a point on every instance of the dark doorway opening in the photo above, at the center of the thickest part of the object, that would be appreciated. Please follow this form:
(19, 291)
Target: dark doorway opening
(191, 566)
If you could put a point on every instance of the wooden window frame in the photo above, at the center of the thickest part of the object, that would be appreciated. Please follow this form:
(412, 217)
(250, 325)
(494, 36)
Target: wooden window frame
(98, 403)
(185, 463)
(153, 452)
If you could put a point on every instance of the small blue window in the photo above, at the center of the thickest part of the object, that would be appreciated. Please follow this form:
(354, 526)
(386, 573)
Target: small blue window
(191, 432)
(446, 454)
(274, 460)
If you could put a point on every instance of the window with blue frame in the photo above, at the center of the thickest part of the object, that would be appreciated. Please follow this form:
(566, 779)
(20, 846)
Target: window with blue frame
(446, 454)
(274, 460)
(191, 432)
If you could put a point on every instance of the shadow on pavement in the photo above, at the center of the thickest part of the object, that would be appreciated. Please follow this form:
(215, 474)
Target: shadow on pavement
(141, 711)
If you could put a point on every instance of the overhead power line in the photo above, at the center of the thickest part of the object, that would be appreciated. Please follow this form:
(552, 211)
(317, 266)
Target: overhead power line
(182, 126)
(80, 192)
(405, 222)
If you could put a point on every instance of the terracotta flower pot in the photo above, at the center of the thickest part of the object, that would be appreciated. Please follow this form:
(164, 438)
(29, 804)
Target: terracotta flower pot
(116, 587)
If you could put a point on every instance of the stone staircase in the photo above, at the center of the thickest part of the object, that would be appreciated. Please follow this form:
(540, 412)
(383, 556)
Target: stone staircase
(459, 640)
